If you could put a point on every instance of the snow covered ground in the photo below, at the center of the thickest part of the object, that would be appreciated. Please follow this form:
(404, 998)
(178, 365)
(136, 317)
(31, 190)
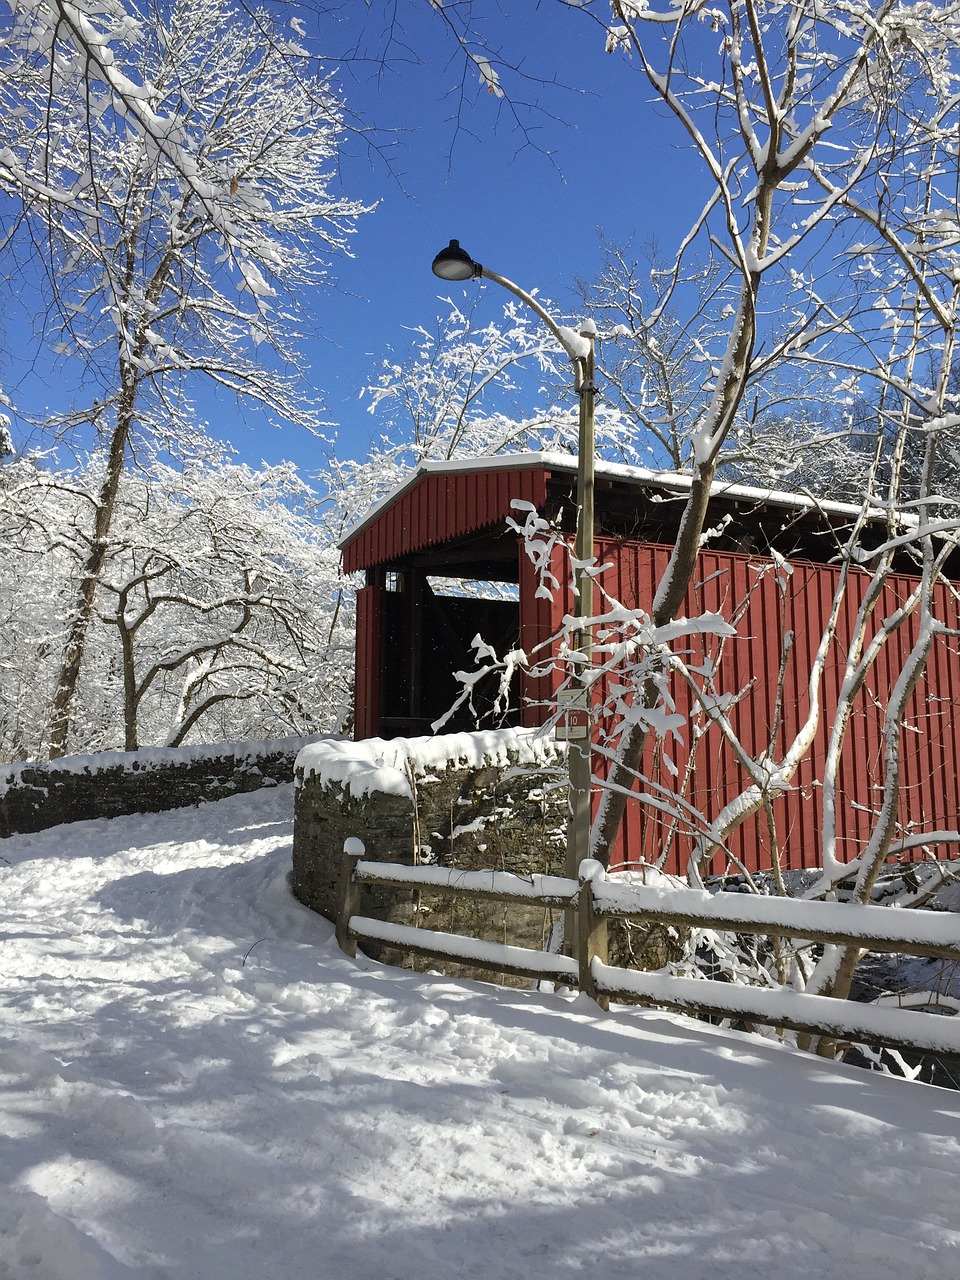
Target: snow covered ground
(196, 1084)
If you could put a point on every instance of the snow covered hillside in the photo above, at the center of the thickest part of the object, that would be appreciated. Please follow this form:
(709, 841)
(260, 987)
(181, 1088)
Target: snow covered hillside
(196, 1084)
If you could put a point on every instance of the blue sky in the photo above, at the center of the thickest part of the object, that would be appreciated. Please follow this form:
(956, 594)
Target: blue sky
(607, 159)
(528, 202)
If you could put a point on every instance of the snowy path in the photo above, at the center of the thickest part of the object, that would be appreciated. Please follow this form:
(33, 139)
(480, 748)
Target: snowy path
(169, 1111)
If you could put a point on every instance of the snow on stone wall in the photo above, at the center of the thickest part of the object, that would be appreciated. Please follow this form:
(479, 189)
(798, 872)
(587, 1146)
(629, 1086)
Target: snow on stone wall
(468, 800)
(110, 783)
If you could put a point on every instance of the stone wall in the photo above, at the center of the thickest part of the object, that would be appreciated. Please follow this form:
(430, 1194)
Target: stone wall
(503, 807)
(108, 784)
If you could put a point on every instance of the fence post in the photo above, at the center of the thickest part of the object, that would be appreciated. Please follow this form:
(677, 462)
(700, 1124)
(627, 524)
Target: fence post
(348, 894)
(591, 930)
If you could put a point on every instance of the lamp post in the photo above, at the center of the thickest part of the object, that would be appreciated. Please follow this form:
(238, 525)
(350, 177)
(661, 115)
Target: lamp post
(454, 263)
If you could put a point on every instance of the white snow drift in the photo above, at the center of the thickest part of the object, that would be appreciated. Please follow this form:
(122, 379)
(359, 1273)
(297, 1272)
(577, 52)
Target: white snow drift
(195, 1083)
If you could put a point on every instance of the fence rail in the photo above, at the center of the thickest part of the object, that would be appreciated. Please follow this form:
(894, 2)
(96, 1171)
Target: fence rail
(521, 962)
(885, 929)
(594, 900)
(493, 886)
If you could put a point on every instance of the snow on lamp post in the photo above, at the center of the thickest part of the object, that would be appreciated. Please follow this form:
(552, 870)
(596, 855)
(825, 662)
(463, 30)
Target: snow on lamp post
(454, 263)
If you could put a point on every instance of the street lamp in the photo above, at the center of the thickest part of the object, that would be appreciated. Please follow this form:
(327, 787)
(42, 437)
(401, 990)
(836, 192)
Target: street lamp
(454, 263)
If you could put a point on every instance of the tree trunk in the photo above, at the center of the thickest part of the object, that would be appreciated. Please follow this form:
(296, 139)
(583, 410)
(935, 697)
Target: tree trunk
(61, 711)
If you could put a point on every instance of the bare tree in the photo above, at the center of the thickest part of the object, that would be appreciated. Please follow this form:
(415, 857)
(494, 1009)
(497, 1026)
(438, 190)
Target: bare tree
(159, 277)
(798, 116)
(664, 329)
(219, 614)
(222, 596)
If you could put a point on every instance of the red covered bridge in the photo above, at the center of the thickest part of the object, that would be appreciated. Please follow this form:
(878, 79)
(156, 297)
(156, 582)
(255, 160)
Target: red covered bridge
(448, 521)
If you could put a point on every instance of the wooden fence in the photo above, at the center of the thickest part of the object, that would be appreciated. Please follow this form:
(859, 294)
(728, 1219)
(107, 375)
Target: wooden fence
(594, 899)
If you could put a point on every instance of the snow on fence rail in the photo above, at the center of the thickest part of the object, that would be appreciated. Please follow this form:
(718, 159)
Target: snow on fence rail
(594, 900)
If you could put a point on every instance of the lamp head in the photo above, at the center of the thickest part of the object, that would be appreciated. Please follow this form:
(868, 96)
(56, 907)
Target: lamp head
(454, 263)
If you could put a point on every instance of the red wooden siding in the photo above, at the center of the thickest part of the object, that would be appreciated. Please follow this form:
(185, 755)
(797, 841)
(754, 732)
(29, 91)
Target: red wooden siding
(447, 507)
(930, 791)
(368, 664)
(439, 508)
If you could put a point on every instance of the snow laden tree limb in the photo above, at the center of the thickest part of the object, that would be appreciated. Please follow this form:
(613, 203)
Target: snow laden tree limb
(769, 776)
(862, 654)
(219, 612)
(628, 642)
(97, 45)
(458, 390)
(835, 971)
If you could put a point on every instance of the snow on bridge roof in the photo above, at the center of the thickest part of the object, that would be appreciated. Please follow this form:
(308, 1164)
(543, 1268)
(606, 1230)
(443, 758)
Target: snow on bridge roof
(451, 501)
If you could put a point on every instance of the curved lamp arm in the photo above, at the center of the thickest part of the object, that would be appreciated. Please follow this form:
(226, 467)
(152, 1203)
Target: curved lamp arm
(572, 343)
